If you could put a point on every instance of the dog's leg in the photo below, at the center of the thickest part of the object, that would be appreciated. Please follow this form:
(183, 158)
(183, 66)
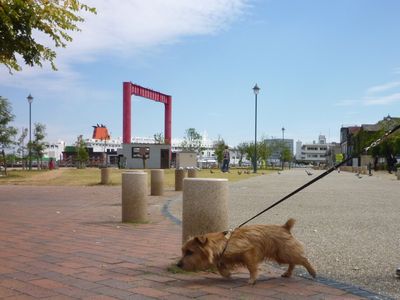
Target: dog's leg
(223, 270)
(289, 271)
(253, 273)
(306, 264)
(252, 266)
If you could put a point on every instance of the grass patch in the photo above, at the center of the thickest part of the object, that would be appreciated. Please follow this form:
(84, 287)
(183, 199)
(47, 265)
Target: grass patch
(92, 176)
(134, 224)
(20, 176)
(174, 269)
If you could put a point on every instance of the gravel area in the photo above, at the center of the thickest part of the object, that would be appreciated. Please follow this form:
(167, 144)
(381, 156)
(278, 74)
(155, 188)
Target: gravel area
(350, 226)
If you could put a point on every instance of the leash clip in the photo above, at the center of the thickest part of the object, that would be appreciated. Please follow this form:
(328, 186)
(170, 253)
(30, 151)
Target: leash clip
(229, 233)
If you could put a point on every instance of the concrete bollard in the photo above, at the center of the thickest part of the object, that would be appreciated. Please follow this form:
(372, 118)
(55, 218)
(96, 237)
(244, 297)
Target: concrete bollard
(134, 194)
(205, 206)
(180, 174)
(398, 175)
(105, 175)
(157, 182)
(192, 173)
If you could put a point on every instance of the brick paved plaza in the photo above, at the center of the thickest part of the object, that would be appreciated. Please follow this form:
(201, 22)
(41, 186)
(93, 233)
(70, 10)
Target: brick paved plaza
(68, 243)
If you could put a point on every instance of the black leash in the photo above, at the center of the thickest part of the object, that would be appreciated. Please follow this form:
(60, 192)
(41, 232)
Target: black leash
(374, 144)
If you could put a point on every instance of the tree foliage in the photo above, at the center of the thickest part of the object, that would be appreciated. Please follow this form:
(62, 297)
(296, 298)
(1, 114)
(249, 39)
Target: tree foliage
(286, 154)
(241, 150)
(264, 151)
(219, 146)
(38, 144)
(250, 151)
(389, 147)
(19, 19)
(21, 145)
(82, 155)
(192, 141)
(7, 132)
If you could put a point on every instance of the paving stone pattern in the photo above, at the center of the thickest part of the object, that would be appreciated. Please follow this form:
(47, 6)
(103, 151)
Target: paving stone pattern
(68, 243)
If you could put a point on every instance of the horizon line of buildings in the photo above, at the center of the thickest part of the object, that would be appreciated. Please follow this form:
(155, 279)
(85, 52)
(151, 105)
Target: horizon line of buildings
(304, 152)
(317, 152)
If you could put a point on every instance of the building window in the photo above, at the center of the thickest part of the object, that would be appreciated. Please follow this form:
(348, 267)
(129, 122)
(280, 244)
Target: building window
(141, 152)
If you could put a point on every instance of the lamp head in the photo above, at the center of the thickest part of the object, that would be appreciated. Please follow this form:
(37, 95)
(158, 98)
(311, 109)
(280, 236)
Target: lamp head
(256, 89)
(30, 98)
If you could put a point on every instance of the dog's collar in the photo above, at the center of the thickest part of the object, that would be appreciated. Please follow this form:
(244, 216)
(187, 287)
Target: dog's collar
(227, 236)
(228, 233)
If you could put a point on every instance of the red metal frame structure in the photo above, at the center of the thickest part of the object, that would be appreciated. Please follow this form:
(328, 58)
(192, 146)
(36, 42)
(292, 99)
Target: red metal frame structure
(130, 89)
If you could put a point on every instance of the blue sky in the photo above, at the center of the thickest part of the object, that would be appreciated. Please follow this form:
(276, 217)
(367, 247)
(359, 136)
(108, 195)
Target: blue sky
(319, 64)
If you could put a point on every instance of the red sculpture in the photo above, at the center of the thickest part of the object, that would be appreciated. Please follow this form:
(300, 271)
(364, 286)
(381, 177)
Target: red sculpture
(130, 89)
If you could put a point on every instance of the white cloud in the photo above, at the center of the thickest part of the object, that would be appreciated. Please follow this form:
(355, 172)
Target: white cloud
(347, 102)
(383, 94)
(131, 26)
(383, 87)
(128, 28)
(384, 100)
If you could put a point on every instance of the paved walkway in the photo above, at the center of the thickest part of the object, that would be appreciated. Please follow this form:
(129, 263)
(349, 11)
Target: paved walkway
(68, 243)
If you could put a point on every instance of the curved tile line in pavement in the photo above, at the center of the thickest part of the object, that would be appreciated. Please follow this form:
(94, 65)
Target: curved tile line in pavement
(355, 290)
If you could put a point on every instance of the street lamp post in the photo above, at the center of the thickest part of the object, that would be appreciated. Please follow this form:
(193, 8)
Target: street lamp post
(283, 145)
(30, 100)
(256, 89)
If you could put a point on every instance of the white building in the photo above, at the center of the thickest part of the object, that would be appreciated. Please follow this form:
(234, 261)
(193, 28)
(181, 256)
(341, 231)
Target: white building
(110, 145)
(54, 150)
(314, 153)
(207, 157)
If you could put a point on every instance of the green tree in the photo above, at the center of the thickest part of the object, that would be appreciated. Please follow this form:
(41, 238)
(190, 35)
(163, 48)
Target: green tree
(389, 147)
(21, 146)
(11, 159)
(192, 141)
(82, 154)
(38, 144)
(286, 154)
(264, 151)
(396, 144)
(219, 146)
(19, 19)
(242, 150)
(250, 149)
(7, 132)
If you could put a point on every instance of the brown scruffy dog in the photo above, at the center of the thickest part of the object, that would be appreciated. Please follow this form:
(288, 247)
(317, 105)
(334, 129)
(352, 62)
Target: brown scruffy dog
(247, 246)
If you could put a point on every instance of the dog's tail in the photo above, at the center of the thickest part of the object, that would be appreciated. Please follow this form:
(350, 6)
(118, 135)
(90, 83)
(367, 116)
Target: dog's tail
(289, 224)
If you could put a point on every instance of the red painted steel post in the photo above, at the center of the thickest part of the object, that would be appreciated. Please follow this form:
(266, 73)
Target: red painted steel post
(126, 117)
(168, 120)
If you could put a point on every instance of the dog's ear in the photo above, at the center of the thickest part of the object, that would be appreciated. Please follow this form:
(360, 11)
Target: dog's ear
(202, 239)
